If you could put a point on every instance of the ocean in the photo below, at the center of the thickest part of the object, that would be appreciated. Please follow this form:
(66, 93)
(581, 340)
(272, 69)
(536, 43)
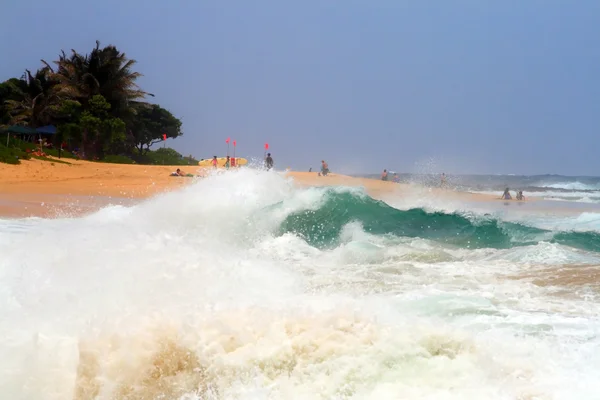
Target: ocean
(585, 189)
(244, 286)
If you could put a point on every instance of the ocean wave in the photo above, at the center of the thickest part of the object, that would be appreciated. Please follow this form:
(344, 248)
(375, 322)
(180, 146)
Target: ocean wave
(244, 286)
(322, 226)
(575, 186)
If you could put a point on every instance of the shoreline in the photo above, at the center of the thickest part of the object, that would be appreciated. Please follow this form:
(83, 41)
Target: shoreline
(48, 189)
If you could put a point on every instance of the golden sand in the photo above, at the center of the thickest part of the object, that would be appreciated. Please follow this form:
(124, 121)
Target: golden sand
(45, 188)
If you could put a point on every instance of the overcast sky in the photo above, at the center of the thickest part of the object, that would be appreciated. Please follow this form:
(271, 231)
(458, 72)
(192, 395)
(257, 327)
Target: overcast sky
(413, 86)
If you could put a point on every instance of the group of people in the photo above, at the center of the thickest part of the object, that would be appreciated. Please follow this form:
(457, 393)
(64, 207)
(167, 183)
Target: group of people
(385, 176)
(506, 195)
(269, 163)
(215, 162)
(324, 167)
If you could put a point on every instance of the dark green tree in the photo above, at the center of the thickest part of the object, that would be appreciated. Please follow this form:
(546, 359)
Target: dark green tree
(33, 101)
(11, 89)
(100, 130)
(94, 101)
(106, 72)
(149, 124)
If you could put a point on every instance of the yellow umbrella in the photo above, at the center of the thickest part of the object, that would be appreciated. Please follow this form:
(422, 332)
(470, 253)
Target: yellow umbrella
(221, 162)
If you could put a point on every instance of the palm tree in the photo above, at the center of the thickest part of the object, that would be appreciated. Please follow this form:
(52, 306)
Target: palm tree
(105, 71)
(36, 101)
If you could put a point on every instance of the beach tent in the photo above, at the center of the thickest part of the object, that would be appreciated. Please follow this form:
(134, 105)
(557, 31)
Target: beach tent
(18, 130)
(47, 130)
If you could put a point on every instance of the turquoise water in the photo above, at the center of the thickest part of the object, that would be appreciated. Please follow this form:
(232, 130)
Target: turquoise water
(321, 227)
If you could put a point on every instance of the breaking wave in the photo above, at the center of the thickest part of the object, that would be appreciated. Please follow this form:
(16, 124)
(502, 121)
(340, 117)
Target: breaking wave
(244, 286)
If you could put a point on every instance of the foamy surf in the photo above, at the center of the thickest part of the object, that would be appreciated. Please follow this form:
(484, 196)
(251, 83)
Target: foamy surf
(243, 286)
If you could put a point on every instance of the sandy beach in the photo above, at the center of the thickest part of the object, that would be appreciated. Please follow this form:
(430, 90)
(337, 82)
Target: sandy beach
(46, 189)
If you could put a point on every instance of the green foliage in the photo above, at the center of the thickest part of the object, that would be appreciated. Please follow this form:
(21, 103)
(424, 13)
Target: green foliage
(18, 149)
(32, 101)
(8, 156)
(12, 155)
(99, 127)
(22, 145)
(166, 156)
(116, 159)
(149, 125)
(163, 156)
(95, 103)
(11, 89)
(105, 71)
(63, 153)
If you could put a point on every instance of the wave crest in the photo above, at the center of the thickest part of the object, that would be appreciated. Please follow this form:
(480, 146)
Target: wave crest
(322, 226)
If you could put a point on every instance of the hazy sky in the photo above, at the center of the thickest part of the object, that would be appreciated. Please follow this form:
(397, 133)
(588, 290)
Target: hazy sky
(457, 86)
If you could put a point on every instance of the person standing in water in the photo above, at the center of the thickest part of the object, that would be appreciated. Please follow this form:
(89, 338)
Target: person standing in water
(324, 168)
(384, 175)
(215, 162)
(227, 163)
(269, 161)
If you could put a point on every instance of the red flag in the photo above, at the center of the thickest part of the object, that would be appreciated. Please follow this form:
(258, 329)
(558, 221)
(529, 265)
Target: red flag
(164, 136)
(227, 141)
(234, 143)
(266, 146)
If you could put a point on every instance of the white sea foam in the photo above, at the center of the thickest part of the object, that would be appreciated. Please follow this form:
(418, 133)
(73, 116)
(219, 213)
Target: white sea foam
(194, 295)
(571, 186)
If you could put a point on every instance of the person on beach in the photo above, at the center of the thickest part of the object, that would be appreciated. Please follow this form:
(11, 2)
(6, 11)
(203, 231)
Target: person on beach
(269, 161)
(506, 195)
(443, 180)
(324, 168)
(227, 163)
(384, 175)
(396, 178)
(180, 173)
(215, 162)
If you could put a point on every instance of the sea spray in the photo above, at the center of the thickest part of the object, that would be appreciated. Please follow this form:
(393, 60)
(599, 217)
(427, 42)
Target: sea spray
(222, 290)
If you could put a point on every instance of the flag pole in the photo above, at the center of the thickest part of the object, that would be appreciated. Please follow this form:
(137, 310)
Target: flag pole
(234, 144)
(265, 155)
